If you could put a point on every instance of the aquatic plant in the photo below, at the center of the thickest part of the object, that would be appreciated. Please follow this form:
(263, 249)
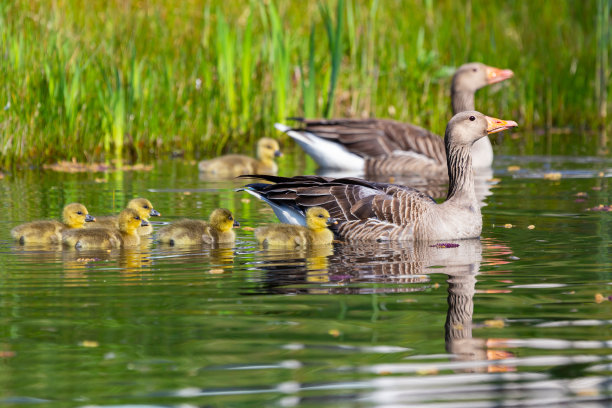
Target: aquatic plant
(108, 80)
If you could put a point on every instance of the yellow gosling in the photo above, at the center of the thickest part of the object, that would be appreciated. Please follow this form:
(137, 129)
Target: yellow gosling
(106, 238)
(233, 165)
(218, 230)
(74, 216)
(142, 206)
(316, 231)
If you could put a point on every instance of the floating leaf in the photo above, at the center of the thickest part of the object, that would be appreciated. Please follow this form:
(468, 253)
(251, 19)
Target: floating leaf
(334, 332)
(552, 176)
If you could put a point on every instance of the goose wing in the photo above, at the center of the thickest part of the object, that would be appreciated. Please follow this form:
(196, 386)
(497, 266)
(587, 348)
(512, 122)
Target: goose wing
(376, 137)
(365, 210)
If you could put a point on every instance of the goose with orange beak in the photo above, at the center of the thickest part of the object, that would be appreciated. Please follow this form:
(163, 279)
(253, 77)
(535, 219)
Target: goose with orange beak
(388, 212)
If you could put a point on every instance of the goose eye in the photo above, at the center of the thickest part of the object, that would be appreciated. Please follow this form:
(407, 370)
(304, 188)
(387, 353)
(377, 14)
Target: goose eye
(80, 212)
(136, 217)
(472, 118)
(146, 206)
(475, 69)
(320, 216)
(230, 218)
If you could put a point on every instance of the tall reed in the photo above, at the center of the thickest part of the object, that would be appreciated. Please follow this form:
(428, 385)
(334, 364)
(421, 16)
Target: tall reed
(118, 81)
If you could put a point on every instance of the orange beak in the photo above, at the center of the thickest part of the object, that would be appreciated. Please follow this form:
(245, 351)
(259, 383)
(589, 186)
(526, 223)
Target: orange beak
(495, 75)
(495, 125)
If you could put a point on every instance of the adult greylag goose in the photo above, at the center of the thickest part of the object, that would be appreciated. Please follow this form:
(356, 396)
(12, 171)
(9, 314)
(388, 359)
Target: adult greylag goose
(218, 230)
(232, 165)
(389, 147)
(74, 216)
(316, 231)
(380, 211)
(142, 206)
(126, 235)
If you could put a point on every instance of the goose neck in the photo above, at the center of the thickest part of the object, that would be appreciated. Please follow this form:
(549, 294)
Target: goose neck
(460, 174)
(462, 101)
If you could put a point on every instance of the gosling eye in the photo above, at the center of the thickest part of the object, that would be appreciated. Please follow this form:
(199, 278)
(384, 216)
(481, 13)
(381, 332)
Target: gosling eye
(320, 216)
(80, 212)
(230, 218)
(145, 206)
(475, 69)
(472, 118)
(136, 217)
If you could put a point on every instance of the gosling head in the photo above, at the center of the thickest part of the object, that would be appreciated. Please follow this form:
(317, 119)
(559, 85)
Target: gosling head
(474, 75)
(143, 207)
(268, 149)
(129, 221)
(317, 218)
(222, 220)
(75, 215)
(466, 127)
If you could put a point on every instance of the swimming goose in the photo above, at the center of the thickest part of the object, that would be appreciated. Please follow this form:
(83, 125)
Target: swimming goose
(316, 231)
(142, 206)
(218, 230)
(389, 147)
(380, 211)
(106, 238)
(233, 165)
(74, 216)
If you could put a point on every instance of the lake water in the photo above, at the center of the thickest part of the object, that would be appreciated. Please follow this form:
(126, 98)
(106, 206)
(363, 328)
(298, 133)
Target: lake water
(520, 317)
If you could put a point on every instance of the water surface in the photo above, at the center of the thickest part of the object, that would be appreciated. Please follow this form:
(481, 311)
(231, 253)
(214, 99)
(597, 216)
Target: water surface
(519, 317)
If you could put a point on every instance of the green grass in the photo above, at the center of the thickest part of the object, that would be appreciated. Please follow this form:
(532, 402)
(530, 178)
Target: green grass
(99, 80)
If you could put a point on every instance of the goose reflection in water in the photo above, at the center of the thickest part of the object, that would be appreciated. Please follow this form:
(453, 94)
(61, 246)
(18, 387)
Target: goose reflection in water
(405, 267)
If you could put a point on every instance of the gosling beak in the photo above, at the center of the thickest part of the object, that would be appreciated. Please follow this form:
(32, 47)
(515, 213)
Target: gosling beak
(89, 218)
(144, 223)
(331, 221)
(497, 125)
(278, 153)
(236, 224)
(495, 75)
(154, 213)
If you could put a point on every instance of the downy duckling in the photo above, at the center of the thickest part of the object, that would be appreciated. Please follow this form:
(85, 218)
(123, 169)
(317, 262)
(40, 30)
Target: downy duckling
(74, 216)
(142, 206)
(106, 238)
(316, 231)
(233, 165)
(218, 230)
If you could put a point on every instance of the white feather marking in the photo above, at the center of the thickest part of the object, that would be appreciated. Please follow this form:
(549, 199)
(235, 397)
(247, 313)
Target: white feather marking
(327, 154)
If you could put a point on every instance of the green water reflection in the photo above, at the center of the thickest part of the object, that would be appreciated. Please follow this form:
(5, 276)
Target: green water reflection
(511, 318)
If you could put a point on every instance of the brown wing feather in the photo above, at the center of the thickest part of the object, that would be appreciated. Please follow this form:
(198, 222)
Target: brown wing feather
(377, 137)
(365, 210)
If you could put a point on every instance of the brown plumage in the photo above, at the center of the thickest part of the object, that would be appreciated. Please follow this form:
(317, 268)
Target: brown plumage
(388, 147)
(218, 230)
(233, 165)
(316, 231)
(106, 238)
(141, 205)
(74, 216)
(380, 211)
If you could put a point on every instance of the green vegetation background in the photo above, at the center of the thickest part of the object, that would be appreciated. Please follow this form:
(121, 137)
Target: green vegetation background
(98, 79)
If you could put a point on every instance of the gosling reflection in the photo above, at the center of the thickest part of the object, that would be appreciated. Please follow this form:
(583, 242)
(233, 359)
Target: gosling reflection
(218, 257)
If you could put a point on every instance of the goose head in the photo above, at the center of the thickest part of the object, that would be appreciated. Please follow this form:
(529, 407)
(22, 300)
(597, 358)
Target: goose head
(143, 207)
(474, 75)
(222, 220)
(75, 215)
(268, 149)
(317, 218)
(467, 127)
(129, 221)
